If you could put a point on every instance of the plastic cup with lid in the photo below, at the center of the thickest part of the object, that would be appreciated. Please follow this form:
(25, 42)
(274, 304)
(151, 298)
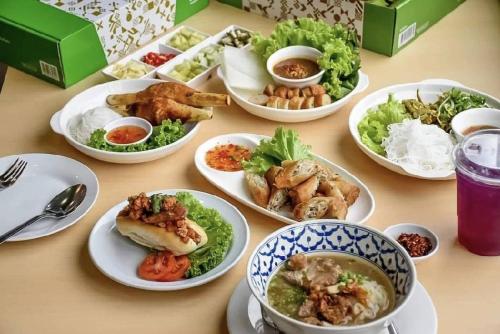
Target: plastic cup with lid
(477, 162)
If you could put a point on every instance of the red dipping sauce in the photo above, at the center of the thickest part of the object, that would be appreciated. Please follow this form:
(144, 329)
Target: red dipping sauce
(477, 161)
(127, 134)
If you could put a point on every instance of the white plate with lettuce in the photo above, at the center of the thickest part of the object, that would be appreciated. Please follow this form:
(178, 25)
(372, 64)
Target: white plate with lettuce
(81, 121)
(245, 75)
(410, 133)
(118, 257)
(287, 146)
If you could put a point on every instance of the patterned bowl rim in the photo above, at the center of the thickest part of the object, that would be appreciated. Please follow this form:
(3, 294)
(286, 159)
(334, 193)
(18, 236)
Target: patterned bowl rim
(411, 270)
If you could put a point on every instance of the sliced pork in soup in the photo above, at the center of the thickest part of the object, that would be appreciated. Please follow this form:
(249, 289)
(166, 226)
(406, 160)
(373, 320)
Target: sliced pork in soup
(327, 290)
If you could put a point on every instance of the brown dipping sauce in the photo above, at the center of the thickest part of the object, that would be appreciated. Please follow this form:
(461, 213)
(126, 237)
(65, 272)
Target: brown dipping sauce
(296, 68)
(127, 134)
(475, 128)
(227, 158)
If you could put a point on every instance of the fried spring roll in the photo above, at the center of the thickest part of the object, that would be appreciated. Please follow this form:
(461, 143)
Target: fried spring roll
(349, 191)
(315, 208)
(295, 173)
(258, 188)
(271, 174)
(304, 191)
(330, 189)
(277, 199)
(281, 91)
(337, 208)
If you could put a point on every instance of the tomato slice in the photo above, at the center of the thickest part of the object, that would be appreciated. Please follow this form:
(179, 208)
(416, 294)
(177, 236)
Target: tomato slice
(163, 267)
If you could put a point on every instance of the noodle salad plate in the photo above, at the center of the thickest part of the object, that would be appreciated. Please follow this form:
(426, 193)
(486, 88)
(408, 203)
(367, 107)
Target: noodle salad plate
(281, 178)
(168, 240)
(407, 128)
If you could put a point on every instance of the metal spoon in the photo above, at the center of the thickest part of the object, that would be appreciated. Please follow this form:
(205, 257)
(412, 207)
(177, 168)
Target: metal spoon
(59, 207)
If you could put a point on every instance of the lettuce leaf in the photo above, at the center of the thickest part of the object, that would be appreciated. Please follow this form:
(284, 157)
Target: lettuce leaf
(285, 145)
(339, 45)
(219, 232)
(373, 128)
(164, 134)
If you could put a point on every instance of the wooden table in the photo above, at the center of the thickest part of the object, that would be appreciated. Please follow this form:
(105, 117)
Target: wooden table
(50, 285)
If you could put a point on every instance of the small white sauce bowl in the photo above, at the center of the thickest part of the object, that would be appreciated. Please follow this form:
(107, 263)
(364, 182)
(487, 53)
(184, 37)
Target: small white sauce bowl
(394, 231)
(296, 51)
(128, 121)
(474, 117)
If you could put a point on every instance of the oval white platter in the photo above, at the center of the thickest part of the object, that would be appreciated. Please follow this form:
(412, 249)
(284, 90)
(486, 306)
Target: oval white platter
(429, 91)
(233, 183)
(291, 116)
(118, 257)
(96, 97)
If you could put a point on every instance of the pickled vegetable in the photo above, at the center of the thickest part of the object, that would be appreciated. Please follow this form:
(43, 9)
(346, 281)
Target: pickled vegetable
(185, 39)
(209, 56)
(130, 70)
(186, 70)
(237, 38)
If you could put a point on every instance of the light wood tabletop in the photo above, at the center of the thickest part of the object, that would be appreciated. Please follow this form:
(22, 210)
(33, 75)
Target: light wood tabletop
(50, 285)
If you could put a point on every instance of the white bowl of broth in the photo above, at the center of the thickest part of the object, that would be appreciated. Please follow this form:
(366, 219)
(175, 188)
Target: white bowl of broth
(473, 120)
(295, 66)
(330, 276)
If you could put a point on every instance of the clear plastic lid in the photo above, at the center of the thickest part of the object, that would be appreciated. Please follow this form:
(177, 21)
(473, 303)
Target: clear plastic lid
(478, 156)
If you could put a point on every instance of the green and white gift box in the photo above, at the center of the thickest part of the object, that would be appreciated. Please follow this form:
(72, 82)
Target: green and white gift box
(381, 28)
(64, 41)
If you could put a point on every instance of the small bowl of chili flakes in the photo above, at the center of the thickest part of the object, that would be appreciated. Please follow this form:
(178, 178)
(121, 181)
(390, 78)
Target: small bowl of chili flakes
(419, 241)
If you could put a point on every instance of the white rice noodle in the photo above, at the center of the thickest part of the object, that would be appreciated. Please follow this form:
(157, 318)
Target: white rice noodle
(82, 126)
(419, 146)
(377, 302)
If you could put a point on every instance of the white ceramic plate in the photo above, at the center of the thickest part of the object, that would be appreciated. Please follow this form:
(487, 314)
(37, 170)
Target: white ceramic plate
(233, 183)
(96, 97)
(45, 176)
(292, 116)
(429, 91)
(244, 314)
(118, 257)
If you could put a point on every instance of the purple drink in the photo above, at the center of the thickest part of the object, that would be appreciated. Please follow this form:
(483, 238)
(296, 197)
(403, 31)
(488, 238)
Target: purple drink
(477, 161)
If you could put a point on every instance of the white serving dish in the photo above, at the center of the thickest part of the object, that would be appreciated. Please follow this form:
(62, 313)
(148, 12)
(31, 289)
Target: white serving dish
(233, 183)
(244, 314)
(429, 90)
(295, 51)
(118, 257)
(95, 97)
(394, 231)
(291, 116)
(474, 117)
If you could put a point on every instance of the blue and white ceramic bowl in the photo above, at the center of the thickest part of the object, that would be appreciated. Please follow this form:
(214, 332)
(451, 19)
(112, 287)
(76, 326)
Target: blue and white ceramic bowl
(337, 237)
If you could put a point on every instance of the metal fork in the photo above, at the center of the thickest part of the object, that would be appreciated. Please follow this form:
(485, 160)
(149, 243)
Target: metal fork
(13, 173)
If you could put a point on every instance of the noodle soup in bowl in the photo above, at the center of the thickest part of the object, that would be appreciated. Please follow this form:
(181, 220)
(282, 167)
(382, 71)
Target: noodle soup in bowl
(330, 276)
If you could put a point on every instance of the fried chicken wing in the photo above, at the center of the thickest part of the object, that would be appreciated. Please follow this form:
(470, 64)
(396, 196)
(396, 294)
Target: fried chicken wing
(175, 91)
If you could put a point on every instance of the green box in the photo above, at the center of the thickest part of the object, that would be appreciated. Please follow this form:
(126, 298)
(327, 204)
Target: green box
(383, 29)
(387, 30)
(62, 42)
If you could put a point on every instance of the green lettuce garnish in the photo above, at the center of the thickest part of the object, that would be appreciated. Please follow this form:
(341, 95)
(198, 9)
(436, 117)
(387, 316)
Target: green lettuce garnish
(219, 233)
(373, 128)
(285, 145)
(340, 47)
(164, 134)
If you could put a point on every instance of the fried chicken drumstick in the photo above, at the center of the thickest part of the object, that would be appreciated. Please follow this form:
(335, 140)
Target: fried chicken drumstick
(178, 92)
(160, 108)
